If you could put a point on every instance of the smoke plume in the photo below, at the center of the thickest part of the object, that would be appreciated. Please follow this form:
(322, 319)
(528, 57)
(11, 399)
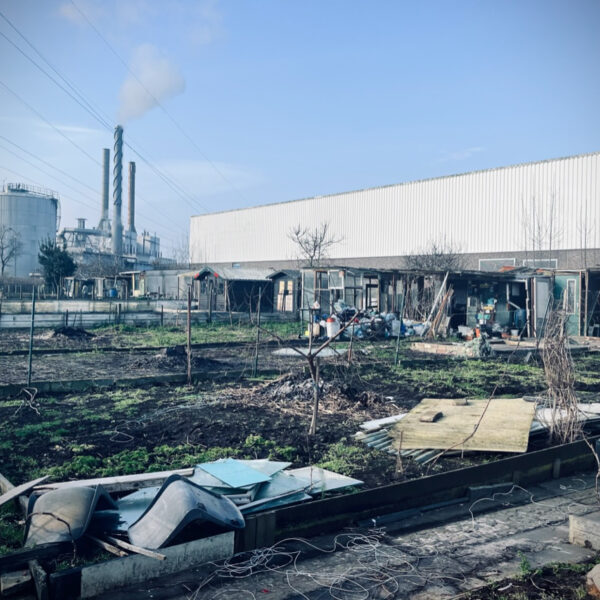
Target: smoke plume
(156, 79)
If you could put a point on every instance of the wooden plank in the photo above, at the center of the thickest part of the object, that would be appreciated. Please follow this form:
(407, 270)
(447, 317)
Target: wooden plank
(503, 425)
(585, 531)
(106, 546)
(136, 549)
(119, 483)
(20, 489)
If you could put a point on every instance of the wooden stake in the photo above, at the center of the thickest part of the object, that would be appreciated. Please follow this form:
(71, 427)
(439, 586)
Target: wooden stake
(189, 336)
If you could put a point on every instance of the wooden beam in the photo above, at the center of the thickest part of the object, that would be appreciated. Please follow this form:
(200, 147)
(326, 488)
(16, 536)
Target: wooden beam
(136, 549)
(106, 546)
(13, 493)
(120, 483)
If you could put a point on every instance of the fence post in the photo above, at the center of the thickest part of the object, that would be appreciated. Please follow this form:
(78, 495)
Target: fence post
(31, 337)
(189, 335)
(255, 366)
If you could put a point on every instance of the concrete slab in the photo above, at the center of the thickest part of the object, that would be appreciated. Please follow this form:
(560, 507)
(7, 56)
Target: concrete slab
(100, 579)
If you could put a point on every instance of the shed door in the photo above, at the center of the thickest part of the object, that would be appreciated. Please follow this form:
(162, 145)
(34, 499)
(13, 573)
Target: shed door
(542, 298)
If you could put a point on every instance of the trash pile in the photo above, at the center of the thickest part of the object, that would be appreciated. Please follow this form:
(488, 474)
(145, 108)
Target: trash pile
(157, 507)
(368, 324)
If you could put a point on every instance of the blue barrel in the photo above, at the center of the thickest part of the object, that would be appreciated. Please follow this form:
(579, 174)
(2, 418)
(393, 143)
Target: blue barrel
(112, 293)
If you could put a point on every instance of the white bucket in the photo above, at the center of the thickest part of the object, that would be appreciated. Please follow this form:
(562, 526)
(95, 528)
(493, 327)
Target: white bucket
(333, 326)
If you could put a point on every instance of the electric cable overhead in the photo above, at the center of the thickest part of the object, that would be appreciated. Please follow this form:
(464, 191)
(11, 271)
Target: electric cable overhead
(90, 110)
(24, 102)
(84, 195)
(96, 113)
(158, 103)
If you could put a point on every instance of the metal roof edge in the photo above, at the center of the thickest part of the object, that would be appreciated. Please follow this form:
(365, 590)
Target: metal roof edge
(403, 183)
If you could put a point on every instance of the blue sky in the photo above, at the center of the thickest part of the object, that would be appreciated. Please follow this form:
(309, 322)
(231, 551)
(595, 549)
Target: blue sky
(266, 101)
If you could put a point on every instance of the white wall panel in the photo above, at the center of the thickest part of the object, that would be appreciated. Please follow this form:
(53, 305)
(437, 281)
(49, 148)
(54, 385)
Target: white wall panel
(484, 211)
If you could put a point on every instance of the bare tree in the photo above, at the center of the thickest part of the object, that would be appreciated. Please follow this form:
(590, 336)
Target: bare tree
(181, 252)
(10, 246)
(313, 244)
(540, 227)
(442, 255)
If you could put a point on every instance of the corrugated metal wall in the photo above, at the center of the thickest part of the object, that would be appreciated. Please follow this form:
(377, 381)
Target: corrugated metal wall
(520, 208)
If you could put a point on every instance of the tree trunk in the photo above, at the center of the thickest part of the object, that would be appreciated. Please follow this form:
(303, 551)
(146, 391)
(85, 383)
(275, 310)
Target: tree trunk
(313, 364)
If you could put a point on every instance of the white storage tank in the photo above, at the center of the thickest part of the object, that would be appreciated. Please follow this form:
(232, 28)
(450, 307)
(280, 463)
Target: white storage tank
(33, 214)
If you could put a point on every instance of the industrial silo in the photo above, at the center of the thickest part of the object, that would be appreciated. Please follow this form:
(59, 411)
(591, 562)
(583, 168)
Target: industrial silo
(33, 214)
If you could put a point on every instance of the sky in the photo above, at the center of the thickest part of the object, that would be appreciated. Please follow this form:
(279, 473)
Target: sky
(231, 104)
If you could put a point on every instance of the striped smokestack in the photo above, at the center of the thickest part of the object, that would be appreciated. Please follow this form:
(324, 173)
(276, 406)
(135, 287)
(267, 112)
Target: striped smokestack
(117, 229)
(131, 212)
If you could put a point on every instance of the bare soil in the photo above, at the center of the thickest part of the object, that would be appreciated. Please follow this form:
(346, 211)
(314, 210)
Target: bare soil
(135, 363)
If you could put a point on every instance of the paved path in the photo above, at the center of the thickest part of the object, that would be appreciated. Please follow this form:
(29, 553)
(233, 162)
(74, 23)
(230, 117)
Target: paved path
(439, 562)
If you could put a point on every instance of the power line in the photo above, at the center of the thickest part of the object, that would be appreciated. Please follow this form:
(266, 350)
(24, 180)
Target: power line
(50, 165)
(96, 113)
(158, 103)
(48, 122)
(90, 110)
(93, 190)
(92, 206)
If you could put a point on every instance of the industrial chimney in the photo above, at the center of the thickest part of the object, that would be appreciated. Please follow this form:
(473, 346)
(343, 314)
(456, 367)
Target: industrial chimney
(117, 229)
(131, 212)
(104, 224)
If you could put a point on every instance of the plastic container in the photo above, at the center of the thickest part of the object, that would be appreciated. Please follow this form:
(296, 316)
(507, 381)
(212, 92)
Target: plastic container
(333, 326)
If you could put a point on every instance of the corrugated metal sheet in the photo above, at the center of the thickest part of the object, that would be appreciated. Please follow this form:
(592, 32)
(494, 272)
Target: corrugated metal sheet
(496, 210)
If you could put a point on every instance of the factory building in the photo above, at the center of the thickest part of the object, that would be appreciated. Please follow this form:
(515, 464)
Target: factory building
(109, 247)
(543, 214)
(31, 214)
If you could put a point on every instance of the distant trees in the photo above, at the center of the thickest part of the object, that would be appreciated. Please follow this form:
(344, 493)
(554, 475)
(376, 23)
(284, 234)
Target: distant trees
(56, 263)
(10, 247)
(313, 243)
(442, 255)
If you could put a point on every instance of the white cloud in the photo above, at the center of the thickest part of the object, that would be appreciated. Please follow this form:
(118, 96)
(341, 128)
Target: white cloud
(461, 154)
(156, 79)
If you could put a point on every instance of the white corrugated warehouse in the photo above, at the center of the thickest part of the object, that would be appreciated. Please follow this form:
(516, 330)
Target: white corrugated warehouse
(32, 213)
(551, 206)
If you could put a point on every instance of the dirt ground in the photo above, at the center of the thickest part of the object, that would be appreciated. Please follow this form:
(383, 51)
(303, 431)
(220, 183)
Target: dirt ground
(134, 363)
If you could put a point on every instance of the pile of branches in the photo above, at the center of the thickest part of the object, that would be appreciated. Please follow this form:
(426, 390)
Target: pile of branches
(559, 371)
